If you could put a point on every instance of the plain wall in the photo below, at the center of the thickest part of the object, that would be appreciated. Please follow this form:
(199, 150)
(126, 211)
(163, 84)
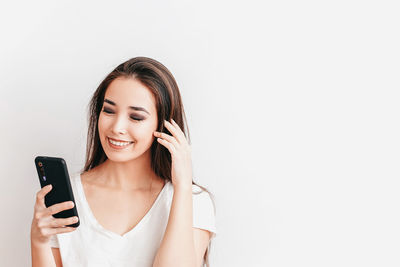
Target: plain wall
(292, 106)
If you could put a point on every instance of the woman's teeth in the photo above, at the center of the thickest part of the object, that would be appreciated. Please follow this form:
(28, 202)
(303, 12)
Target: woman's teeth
(119, 143)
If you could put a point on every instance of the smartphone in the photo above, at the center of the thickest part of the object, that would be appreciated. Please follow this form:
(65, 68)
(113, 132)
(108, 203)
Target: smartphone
(52, 170)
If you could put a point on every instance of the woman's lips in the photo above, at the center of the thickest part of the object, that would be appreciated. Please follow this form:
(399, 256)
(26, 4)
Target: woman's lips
(118, 140)
(118, 147)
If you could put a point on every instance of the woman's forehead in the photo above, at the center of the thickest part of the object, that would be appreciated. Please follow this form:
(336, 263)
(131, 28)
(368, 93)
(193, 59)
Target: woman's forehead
(126, 92)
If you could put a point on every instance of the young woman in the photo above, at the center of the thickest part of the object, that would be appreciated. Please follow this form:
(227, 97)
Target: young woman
(136, 199)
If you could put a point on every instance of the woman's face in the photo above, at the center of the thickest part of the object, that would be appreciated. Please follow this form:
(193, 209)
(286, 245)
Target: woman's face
(129, 115)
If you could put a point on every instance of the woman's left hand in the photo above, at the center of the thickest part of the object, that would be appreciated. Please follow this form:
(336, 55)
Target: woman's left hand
(181, 169)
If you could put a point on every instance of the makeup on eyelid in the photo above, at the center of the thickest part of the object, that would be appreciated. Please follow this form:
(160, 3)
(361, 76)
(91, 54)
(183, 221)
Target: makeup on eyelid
(108, 111)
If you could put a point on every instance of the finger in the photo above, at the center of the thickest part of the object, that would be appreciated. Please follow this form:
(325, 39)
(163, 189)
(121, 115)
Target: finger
(174, 123)
(176, 131)
(168, 145)
(60, 230)
(51, 222)
(56, 208)
(167, 137)
(182, 134)
(42, 193)
(179, 129)
(61, 222)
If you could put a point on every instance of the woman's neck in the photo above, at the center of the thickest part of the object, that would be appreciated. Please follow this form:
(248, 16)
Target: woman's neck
(132, 175)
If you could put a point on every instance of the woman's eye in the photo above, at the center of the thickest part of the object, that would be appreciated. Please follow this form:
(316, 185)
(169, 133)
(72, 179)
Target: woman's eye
(107, 111)
(110, 112)
(136, 119)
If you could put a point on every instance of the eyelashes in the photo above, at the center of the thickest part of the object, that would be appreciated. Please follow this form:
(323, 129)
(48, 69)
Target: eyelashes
(111, 112)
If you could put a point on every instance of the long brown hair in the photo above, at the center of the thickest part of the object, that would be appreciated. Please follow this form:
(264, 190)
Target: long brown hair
(159, 80)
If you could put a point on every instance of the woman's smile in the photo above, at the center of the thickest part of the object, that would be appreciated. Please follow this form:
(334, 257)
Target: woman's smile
(118, 145)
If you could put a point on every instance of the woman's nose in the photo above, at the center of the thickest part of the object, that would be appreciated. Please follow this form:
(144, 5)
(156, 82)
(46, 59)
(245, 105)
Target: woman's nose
(119, 125)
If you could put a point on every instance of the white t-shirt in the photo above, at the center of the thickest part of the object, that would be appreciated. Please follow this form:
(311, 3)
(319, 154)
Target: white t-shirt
(91, 245)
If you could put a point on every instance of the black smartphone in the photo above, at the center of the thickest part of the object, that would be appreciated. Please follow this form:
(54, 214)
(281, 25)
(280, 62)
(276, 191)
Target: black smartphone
(52, 170)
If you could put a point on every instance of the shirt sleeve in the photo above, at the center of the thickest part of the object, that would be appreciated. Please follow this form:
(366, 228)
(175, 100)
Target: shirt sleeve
(54, 241)
(203, 211)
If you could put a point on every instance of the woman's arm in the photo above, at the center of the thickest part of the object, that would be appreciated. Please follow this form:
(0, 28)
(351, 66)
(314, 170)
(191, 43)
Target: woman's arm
(177, 247)
(57, 256)
(42, 256)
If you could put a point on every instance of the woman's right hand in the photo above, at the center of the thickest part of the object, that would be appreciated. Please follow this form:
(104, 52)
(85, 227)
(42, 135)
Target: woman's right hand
(44, 225)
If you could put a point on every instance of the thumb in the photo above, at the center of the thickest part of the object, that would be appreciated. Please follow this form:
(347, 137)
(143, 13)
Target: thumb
(43, 192)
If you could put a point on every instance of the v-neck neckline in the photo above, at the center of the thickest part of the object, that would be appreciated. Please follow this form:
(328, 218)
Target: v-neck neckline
(110, 233)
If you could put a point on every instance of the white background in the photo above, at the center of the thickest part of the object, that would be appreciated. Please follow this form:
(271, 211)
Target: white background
(293, 110)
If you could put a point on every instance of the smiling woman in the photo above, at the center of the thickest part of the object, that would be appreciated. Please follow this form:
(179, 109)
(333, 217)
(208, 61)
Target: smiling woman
(122, 126)
(139, 203)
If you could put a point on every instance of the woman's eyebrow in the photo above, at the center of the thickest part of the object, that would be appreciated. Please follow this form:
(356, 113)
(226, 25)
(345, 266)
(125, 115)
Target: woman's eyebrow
(131, 107)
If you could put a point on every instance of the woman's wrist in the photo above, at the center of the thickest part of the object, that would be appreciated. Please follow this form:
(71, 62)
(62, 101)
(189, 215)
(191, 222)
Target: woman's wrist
(37, 242)
(182, 187)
